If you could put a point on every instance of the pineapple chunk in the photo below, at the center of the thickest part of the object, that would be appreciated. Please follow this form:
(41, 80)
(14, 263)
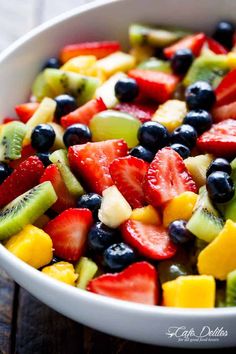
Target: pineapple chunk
(114, 208)
(171, 114)
(107, 90)
(59, 131)
(80, 64)
(191, 291)
(32, 245)
(62, 271)
(219, 257)
(197, 166)
(147, 215)
(116, 62)
(231, 58)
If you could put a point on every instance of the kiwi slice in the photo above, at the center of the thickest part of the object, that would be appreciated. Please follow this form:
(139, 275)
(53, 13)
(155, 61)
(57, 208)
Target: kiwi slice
(229, 209)
(204, 202)
(11, 140)
(231, 289)
(26, 209)
(155, 64)
(86, 269)
(60, 159)
(41, 89)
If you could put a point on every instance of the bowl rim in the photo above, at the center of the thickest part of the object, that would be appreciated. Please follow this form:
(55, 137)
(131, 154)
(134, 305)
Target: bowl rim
(27, 270)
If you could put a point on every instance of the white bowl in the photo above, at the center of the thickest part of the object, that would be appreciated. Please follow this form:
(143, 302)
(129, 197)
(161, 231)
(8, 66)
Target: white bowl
(18, 66)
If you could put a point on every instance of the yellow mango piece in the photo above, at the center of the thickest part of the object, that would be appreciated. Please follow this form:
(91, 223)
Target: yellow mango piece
(170, 114)
(142, 53)
(231, 59)
(32, 245)
(62, 271)
(180, 207)
(116, 62)
(80, 64)
(197, 166)
(191, 291)
(147, 215)
(219, 257)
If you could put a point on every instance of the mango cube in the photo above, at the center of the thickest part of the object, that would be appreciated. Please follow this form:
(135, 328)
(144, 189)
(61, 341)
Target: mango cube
(147, 215)
(116, 62)
(62, 271)
(171, 114)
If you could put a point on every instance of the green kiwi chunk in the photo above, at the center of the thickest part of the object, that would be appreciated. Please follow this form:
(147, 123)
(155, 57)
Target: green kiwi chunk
(229, 209)
(59, 158)
(86, 269)
(155, 64)
(204, 202)
(231, 289)
(26, 209)
(41, 89)
(11, 139)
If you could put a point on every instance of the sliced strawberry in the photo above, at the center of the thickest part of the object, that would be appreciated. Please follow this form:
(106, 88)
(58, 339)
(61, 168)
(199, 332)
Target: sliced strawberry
(128, 175)
(220, 140)
(215, 46)
(193, 42)
(8, 120)
(26, 110)
(98, 49)
(227, 111)
(140, 111)
(155, 84)
(65, 199)
(137, 283)
(84, 113)
(69, 232)
(26, 152)
(92, 161)
(23, 178)
(167, 177)
(226, 90)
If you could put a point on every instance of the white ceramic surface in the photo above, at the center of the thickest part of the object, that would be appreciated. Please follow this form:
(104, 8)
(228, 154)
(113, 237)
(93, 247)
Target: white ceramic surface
(18, 66)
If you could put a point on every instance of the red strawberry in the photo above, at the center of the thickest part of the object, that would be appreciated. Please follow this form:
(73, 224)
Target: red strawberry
(224, 112)
(128, 175)
(23, 178)
(92, 161)
(215, 46)
(220, 139)
(84, 113)
(137, 283)
(226, 91)
(150, 240)
(65, 199)
(99, 49)
(26, 110)
(193, 42)
(140, 111)
(8, 120)
(26, 152)
(155, 84)
(167, 177)
(69, 232)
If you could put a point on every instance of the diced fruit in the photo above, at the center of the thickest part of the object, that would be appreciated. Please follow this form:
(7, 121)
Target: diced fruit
(64, 199)
(231, 289)
(80, 64)
(220, 139)
(107, 91)
(116, 62)
(171, 114)
(69, 232)
(86, 269)
(224, 112)
(155, 84)
(11, 140)
(147, 215)
(24, 177)
(192, 291)
(98, 49)
(167, 177)
(219, 257)
(32, 245)
(41, 221)
(92, 161)
(215, 46)
(137, 283)
(140, 111)
(113, 200)
(84, 114)
(41, 89)
(26, 152)
(226, 91)
(59, 131)
(197, 166)
(7, 120)
(156, 65)
(193, 42)
(150, 240)
(112, 124)
(62, 271)
(231, 58)
(26, 110)
(180, 207)
(26, 209)
(141, 53)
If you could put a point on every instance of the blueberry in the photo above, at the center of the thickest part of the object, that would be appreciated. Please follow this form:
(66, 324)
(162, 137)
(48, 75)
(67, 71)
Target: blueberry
(185, 135)
(91, 201)
(65, 105)
(126, 89)
(181, 149)
(219, 164)
(181, 61)
(178, 232)
(142, 153)
(52, 63)
(224, 34)
(220, 187)
(44, 157)
(119, 256)
(200, 119)
(43, 137)
(5, 171)
(76, 134)
(100, 237)
(200, 95)
(153, 136)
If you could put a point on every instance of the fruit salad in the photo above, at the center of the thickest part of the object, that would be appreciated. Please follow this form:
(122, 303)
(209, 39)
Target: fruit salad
(118, 174)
